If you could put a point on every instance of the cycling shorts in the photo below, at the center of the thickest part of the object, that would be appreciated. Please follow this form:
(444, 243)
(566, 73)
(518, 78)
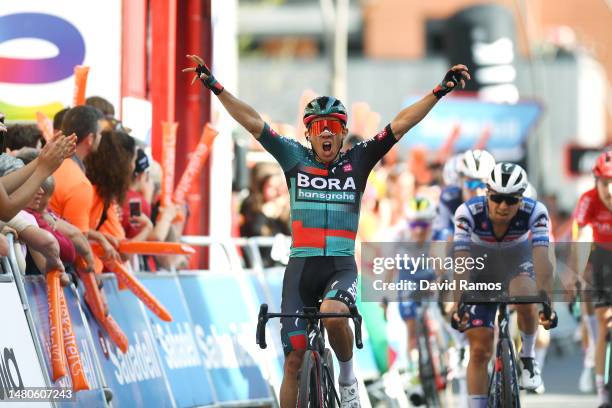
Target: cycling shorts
(601, 259)
(308, 279)
(503, 267)
(409, 301)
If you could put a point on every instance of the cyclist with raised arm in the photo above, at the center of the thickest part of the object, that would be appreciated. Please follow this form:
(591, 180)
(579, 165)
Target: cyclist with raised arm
(514, 231)
(594, 210)
(325, 188)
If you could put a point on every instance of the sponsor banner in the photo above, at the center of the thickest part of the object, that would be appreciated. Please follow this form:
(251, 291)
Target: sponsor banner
(36, 291)
(275, 348)
(136, 377)
(508, 126)
(579, 160)
(19, 366)
(176, 344)
(224, 325)
(41, 43)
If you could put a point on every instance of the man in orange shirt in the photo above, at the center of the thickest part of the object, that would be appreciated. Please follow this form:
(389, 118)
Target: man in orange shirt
(73, 195)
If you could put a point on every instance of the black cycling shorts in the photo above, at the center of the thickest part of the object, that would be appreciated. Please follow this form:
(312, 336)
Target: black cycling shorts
(307, 280)
(601, 259)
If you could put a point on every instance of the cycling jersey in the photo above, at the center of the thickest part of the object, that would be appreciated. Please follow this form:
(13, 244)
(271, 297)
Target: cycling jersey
(472, 225)
(506, 257)
(451, 198)
(592, 211)
(325, 198)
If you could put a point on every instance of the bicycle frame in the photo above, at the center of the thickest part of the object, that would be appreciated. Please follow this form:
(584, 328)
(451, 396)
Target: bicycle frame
(315, 332)
(503, 322)
(504, 330)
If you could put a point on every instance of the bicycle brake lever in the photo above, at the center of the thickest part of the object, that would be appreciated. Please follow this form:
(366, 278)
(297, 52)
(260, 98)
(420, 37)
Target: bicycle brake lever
(357, 322)
(262, 319)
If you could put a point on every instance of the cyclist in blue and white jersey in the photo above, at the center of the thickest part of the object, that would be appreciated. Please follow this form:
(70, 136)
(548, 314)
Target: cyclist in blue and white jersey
(473, 168)
(514, 231)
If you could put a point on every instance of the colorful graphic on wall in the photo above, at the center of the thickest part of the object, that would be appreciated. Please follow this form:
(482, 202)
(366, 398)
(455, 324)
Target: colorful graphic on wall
(40, 44)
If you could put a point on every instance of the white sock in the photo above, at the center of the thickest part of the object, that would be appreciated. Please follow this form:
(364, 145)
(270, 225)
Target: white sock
(528, 347)
(478, 401)
(592, 327)
(347, 376)
(540, 356)
(602, 393)
(589, 356)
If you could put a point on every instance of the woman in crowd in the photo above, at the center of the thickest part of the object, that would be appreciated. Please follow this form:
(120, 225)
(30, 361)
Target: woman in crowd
(110, 170)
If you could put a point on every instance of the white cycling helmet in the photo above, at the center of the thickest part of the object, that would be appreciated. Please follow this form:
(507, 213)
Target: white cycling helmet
(508, 178)
(476, 164)
(450, 171)
(420, 208)
(530, 192)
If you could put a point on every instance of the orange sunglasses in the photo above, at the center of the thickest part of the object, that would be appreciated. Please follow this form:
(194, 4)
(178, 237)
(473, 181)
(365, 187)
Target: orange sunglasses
(333, 125)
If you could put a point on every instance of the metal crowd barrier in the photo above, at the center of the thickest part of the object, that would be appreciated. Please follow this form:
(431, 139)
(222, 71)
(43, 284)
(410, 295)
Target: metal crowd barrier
(206, 356)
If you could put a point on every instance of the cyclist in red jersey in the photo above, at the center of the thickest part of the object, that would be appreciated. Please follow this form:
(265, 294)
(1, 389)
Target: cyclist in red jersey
(594, 210)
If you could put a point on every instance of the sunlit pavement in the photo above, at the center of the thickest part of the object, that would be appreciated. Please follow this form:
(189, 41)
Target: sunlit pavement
(561, 374)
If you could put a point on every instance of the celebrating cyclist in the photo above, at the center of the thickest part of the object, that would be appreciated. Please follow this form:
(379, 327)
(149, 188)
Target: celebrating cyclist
(325, 188)
(514, 231)
(594, 210)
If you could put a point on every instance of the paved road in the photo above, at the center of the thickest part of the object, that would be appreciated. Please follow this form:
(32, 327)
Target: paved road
(561, 374)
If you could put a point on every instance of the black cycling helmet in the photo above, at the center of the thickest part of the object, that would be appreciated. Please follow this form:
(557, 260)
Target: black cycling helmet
(324, 106)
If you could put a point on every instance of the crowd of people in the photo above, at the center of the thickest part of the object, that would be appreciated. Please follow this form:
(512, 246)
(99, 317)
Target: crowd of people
(90, 182)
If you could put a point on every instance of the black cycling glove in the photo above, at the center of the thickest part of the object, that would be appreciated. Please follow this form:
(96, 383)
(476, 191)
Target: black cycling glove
(442, 88)
(210, 82)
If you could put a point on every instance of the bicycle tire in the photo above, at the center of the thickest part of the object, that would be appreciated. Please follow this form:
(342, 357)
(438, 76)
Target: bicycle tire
(309, 388)
(427, 371)
(608, 367)
(329, 399)
(509, 377)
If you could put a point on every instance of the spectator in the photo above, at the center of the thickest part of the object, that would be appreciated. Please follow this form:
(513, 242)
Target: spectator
(111, 184)
(71, 232)
(20, 136)
(20, 186)
(58, 118)
(73, 195)
(66, 248)
(109, 122)
(135, 194)
(103, 105)
(265, 211)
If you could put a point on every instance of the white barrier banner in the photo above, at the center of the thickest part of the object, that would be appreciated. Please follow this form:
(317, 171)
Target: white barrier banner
(19, 365)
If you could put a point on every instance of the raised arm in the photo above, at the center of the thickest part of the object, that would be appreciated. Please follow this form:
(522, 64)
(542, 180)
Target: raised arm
(242, 113)
(51, 156)
(413, 114)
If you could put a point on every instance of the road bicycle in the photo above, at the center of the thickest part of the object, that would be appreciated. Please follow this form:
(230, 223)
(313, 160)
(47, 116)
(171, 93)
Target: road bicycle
(503, 383)
(316, 376)
(433, 364)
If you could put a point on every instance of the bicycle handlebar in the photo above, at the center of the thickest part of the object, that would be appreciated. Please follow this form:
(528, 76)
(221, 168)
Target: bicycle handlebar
(310, 313)
(541, 298)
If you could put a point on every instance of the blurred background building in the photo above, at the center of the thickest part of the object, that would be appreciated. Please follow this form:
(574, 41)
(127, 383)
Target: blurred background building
(540, 94)
(553, 52)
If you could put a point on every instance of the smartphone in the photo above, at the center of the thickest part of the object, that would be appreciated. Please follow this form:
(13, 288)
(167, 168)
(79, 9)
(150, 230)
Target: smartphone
(134, 208)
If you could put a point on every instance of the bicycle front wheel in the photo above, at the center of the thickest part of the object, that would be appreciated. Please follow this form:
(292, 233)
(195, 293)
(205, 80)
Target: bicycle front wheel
(309, 390)
(509, 378)
(329, 394)
(427, 370)
(608, 366)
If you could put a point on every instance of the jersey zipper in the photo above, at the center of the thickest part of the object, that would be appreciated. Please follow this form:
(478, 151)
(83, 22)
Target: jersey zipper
(325, 224)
